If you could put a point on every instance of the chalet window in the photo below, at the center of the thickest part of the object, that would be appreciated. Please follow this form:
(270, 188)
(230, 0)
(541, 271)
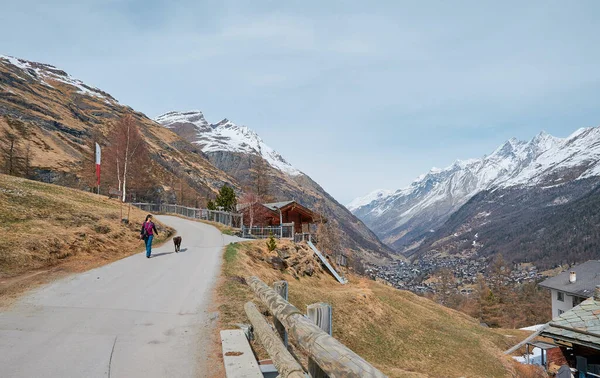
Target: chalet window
(560, 312)
(560, 296)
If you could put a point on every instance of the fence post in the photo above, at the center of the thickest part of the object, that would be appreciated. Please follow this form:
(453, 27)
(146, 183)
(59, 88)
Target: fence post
(281, 287)
(320, 314)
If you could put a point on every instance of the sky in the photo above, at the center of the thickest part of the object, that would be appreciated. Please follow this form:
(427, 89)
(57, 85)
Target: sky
(358, 95)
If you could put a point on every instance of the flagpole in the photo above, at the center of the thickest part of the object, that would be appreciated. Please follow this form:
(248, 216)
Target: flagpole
(98, 158)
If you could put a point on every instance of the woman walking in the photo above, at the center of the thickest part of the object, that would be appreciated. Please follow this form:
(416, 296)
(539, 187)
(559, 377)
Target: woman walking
(148, 231)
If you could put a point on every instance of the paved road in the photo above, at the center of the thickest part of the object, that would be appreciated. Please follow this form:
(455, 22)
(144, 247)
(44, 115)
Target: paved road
(137, 317)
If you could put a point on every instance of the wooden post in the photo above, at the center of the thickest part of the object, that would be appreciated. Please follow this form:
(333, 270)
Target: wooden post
(281, 287)
(336, 359)
(285, 363)
(320, 314)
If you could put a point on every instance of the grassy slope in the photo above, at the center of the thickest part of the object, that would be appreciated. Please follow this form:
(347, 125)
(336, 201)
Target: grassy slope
(45, 226)
(402, 334)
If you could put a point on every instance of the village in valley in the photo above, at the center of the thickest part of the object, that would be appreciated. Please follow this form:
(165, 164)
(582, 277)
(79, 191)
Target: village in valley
(419, 276)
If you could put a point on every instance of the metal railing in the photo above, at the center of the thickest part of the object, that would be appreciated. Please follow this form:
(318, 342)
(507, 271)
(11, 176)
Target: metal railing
(285, 231)
(233, 220)
(305, 236)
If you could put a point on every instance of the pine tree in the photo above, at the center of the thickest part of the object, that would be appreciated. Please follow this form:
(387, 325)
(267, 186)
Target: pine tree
(271, 243)
(210, 205)
(226, 198)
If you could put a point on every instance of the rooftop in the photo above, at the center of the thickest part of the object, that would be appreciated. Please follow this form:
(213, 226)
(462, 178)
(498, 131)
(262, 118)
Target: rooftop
(588, 277)
(580, 325)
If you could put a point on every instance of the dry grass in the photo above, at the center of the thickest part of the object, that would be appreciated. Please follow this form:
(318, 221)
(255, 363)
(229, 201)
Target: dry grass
(47, 229)
(402, 334)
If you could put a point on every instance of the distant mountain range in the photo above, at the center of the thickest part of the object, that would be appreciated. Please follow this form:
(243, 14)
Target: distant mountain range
(63, 114)
(444, 205)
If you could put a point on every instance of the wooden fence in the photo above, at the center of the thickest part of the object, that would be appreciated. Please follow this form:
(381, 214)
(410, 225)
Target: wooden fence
(327, 356)
(226, 218)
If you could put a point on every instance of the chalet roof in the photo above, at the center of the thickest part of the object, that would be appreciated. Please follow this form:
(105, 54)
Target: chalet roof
(580, 325)
(588, 277)
(277, 205)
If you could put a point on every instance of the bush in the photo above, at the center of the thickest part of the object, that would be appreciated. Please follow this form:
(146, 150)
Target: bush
(271, 243)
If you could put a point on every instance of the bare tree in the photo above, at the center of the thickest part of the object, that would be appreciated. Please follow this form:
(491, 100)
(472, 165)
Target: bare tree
(127, 154)
(16, 159)
(327, 233)
(248, 202)
(261, 180)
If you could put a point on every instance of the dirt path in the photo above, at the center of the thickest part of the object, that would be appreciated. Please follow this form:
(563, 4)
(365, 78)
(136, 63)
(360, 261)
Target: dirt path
(136, 317)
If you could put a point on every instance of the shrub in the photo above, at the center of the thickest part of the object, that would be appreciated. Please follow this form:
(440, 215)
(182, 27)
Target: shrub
(271, 243)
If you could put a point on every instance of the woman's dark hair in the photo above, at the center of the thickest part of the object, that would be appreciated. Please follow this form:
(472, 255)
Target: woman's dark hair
(148, 217)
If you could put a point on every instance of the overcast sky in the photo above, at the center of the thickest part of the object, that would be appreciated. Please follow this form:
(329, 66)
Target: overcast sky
(359, 95)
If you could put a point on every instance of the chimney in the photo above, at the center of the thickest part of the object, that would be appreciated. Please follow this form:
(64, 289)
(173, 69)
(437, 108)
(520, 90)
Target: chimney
(572, 277)
(597, 293)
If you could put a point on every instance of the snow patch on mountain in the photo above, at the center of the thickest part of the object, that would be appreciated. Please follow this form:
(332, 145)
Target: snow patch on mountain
(47, 73)
(227, 136)
(375, 195)
(544, 160)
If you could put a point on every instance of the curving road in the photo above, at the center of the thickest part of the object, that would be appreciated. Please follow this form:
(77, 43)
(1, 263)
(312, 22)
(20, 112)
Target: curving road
(136, 317)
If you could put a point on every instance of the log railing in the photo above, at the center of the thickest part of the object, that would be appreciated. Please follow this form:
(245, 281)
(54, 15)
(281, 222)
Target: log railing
(334, 358)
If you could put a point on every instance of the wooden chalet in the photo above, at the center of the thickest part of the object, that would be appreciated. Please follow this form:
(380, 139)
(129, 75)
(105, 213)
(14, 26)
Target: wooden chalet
(276, 213)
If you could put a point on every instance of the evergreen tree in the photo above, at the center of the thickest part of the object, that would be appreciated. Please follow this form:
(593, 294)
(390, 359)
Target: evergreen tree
(210, 205)
(271, 243)
(226, 199)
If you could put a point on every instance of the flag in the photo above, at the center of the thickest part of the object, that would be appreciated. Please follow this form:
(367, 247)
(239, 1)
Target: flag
(98, 164)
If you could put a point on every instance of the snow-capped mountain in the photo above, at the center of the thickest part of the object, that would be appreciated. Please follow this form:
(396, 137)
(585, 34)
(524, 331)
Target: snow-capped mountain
(401, 218)
(376, 195)
(49, 75)
(224, 136)
(242, 154)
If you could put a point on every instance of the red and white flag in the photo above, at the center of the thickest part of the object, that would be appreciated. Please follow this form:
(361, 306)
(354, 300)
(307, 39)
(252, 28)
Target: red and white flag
(98, 164)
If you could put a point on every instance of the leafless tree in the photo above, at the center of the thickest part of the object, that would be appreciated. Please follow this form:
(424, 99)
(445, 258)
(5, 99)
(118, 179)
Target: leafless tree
(248, 202)
(16, 159)
(127, 154)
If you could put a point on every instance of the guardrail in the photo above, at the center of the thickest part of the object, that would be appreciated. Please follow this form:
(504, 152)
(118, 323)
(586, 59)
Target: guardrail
(332, 357)
(285, 231)
(226, 218)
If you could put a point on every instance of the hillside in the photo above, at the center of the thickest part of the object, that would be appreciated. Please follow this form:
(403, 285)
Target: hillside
(63, 114)
(548, 226)
(507, 190)
(400, 333)
(63, 117)
(241, 153)
(48, 229)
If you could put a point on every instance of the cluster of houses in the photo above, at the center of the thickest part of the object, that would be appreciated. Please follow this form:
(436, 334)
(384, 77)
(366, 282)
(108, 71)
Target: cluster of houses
(416, 276)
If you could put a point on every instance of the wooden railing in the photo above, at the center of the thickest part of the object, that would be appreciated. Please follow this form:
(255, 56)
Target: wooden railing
(329, 357)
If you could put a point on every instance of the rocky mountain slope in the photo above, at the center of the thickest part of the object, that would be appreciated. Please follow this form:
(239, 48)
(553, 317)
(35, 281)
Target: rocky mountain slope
(241, 153)
(545, 172)
(62, 113)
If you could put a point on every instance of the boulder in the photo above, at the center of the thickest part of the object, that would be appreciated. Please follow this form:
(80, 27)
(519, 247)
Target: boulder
(278, 263)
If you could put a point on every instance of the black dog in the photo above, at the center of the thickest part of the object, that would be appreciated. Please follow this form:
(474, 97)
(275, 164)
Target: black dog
(177, 242)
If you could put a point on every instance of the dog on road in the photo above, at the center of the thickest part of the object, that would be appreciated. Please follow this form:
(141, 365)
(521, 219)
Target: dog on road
(177, 242)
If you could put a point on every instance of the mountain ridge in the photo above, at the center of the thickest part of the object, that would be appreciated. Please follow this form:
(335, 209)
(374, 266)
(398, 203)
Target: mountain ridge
(407, 216)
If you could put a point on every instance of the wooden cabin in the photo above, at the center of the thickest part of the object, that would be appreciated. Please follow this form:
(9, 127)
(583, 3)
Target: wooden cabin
(272, 214)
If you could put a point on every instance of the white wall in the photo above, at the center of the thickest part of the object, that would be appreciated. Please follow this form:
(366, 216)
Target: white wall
(565, 306)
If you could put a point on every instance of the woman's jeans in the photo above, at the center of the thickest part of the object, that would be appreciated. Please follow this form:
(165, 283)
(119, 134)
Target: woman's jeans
(149, 245)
